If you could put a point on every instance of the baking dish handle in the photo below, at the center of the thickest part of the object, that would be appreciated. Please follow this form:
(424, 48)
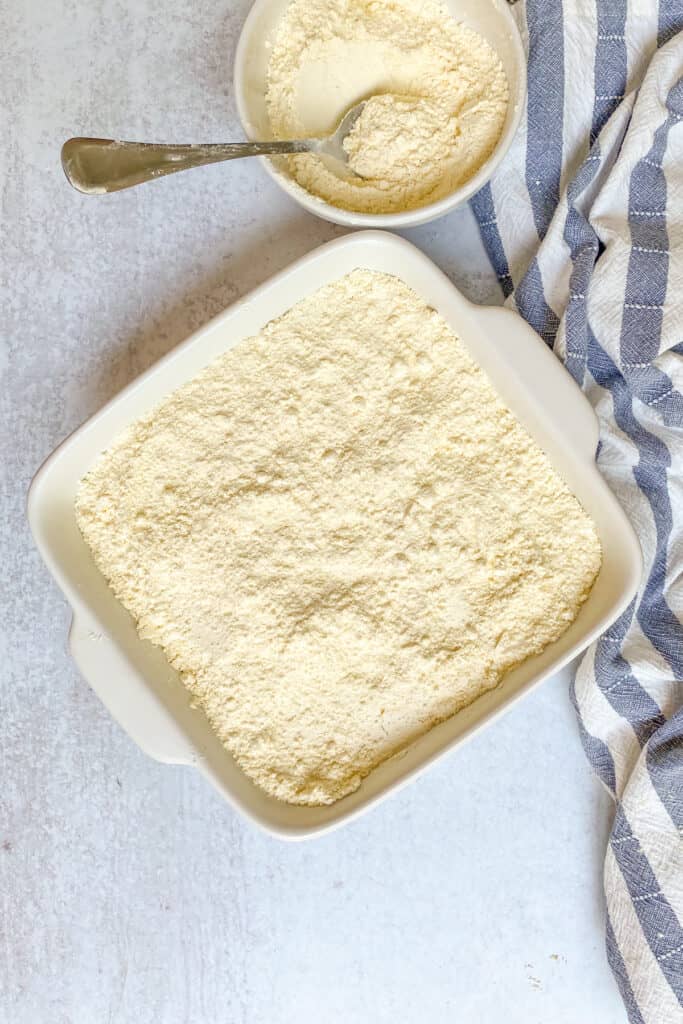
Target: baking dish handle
(129, 700)
(556, 397)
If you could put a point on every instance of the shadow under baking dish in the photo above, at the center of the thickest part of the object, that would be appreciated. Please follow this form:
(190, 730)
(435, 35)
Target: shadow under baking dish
(133, 678)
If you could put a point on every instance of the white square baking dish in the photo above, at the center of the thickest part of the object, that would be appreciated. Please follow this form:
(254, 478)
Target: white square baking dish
(133, 678)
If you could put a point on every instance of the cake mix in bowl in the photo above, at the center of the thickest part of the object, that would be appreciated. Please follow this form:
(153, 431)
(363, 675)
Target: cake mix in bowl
(437, 91)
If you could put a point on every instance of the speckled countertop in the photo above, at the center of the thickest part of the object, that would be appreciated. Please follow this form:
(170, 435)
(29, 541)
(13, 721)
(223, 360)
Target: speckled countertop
(129, 893)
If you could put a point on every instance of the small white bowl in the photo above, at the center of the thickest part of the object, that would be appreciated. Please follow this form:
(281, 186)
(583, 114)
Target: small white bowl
(492, 19)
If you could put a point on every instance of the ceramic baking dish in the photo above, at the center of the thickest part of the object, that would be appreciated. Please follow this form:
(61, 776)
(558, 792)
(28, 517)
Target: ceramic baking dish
(133, 678)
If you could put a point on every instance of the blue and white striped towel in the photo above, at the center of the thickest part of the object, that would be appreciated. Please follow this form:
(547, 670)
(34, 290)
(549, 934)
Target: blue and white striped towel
(584, 226)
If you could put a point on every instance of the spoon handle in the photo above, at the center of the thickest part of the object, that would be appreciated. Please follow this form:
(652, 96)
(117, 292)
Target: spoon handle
(97, 166)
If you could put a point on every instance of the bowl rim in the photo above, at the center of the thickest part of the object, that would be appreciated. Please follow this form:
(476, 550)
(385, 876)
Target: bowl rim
(391, 221)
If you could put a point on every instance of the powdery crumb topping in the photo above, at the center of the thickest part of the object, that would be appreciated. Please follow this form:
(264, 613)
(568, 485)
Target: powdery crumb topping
(339, 535)
(330, 54)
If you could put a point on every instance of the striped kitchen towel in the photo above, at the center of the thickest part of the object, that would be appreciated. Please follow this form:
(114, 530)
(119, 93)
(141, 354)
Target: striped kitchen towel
(584, 226)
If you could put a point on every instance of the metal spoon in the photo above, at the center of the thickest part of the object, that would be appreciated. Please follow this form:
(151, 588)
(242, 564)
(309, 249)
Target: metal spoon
(98, 166)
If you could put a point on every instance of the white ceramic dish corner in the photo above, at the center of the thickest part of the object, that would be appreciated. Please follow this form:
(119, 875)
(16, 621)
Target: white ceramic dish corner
(492, 19)
(133, 678)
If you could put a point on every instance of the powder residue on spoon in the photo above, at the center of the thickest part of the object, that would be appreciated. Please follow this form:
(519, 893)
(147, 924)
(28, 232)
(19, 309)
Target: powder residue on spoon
(437, 93)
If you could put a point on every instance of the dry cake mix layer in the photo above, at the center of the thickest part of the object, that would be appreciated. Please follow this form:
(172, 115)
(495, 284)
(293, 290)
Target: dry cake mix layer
(339, 535)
